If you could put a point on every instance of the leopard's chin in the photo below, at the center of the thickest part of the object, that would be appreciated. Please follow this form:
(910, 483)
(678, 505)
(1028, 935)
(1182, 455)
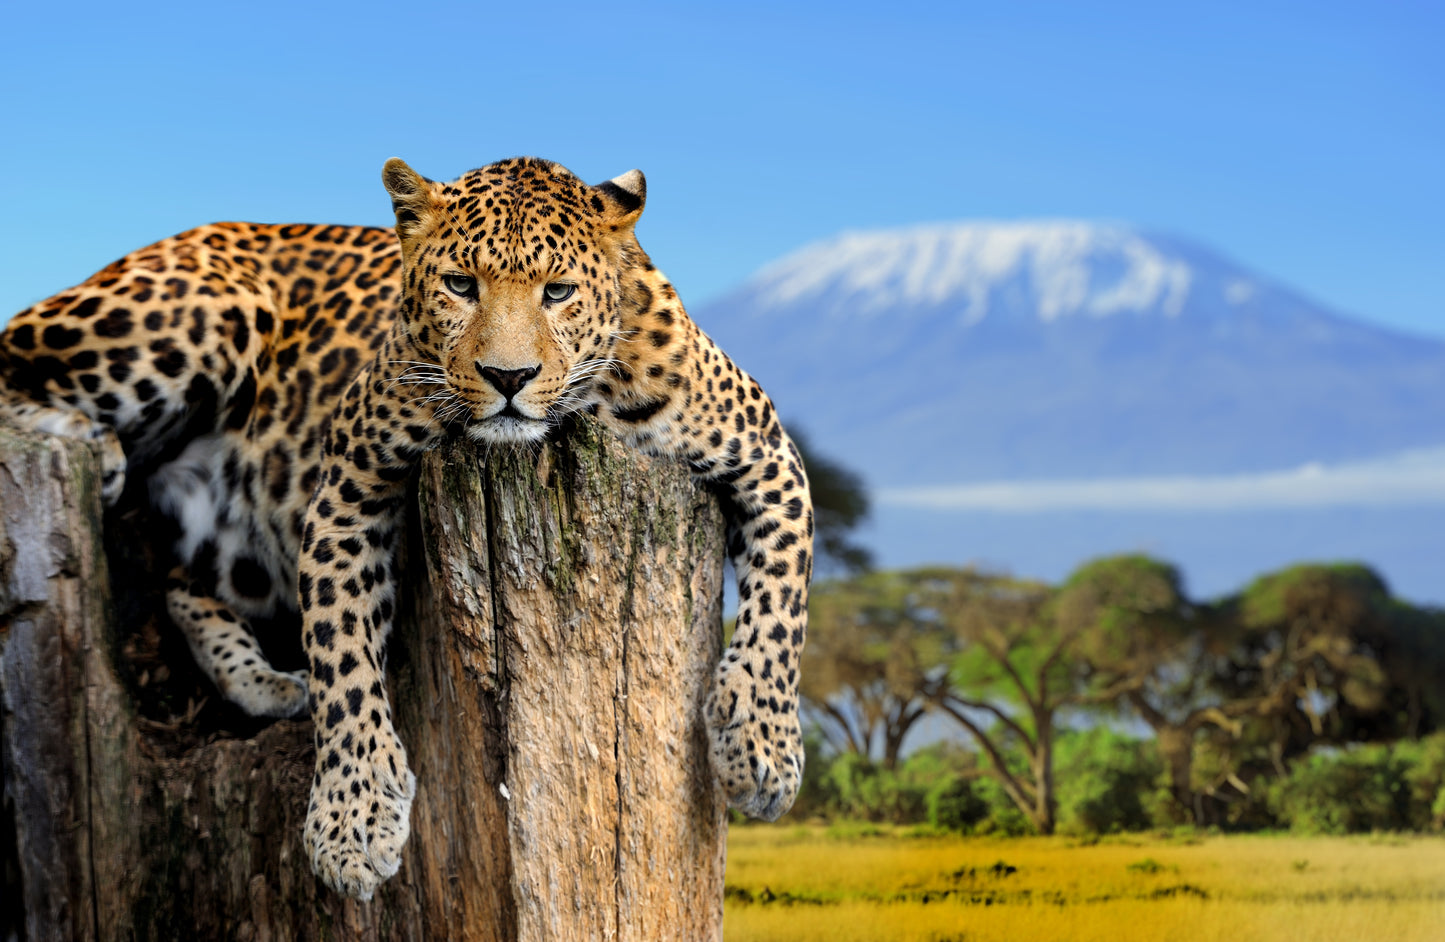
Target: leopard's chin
(509, 429)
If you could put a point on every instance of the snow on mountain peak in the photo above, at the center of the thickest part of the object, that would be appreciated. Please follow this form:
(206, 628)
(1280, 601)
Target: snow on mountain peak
(1056, 269)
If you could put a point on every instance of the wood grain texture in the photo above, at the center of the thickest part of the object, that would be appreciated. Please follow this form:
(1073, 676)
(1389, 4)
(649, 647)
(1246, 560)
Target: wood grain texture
(560, 621)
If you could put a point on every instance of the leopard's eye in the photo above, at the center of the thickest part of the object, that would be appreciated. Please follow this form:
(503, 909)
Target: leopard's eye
(463, 285)
(558, 291)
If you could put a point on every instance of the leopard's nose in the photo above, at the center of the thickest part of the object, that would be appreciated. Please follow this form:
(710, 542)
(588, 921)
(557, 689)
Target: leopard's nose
(508, 382)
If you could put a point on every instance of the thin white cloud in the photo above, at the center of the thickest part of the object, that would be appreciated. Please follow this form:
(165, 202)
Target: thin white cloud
(1414, 478)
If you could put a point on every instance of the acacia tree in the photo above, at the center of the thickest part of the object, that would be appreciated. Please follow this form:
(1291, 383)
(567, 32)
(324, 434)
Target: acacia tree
(1284, 664)
(873, 662)
(1301, 652)
(1411, 652)
(1020, 668)
(1306, 630)
(1161, 654)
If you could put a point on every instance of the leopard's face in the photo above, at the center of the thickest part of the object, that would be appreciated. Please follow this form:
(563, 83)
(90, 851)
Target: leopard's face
(511, 281)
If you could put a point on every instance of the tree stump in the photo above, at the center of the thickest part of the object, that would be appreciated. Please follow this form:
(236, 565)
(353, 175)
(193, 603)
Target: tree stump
(558, 630)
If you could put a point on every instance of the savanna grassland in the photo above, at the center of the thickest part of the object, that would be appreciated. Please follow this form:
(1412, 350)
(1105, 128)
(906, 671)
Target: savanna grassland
(880, 884)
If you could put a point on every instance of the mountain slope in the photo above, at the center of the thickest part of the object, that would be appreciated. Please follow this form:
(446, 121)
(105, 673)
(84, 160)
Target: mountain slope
(947, 354)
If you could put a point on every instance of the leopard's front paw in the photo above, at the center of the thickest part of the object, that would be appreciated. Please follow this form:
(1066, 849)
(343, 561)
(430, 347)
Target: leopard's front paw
(757, 747)
(360, 816)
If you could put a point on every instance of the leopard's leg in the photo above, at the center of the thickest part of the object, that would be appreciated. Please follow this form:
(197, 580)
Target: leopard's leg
(225, 648)
(359, 815)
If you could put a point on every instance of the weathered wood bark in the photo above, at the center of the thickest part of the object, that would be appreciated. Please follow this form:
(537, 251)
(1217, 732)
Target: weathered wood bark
(562, 617)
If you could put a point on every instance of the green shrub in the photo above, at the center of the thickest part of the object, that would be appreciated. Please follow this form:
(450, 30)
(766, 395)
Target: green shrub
(1105, 781)
(1426, 781)
(1380, 787)
(1004, 817)
(852, 787)
(864, 791)
(956, 805)
(1339, 792)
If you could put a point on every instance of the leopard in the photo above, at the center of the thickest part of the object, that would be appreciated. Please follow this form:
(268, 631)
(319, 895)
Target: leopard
(270, 388)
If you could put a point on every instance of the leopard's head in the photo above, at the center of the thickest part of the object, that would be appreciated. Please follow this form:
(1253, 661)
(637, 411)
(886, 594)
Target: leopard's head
(512, 279)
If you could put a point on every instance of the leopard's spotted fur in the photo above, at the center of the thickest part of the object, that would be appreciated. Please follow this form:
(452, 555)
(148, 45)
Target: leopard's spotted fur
(275, 385)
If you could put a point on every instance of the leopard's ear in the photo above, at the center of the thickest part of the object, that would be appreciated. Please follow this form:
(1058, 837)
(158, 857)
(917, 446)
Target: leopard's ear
(623, 198)
(411, 197)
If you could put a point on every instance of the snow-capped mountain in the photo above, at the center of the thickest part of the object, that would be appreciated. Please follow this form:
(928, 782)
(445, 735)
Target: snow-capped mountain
(1048, 270)
(951, 353)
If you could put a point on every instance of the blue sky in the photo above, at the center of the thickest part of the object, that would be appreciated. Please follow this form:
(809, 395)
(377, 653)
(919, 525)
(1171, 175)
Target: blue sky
(1305, 139)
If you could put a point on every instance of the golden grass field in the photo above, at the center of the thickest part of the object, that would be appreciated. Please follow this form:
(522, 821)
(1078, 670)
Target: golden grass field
(814, 884)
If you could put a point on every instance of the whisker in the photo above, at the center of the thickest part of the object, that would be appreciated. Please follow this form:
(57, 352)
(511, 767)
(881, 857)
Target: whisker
(441, 398)
(418, 377)
(450, 411)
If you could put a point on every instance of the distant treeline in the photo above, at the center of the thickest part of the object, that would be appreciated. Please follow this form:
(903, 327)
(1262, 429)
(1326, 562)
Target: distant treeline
(1310, 699)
